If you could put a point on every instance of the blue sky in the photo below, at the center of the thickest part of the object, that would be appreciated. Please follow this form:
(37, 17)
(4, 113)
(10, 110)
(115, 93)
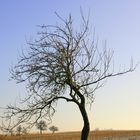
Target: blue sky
(117, 103)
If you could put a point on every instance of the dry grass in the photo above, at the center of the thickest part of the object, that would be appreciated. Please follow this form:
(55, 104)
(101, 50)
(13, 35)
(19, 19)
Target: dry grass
(96, 135)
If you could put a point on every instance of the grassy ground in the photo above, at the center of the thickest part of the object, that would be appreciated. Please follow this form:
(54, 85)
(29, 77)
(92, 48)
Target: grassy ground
(96, 135)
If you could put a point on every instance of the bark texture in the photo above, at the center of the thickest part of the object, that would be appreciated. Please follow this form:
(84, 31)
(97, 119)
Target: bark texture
(86, 127)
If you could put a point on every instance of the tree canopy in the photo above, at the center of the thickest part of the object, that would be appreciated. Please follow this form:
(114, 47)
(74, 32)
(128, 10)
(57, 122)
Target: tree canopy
(41, 125)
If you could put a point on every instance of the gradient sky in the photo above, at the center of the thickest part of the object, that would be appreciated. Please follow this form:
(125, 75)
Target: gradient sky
(117, 104)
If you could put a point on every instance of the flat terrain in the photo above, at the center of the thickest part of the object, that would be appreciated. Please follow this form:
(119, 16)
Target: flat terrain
(94, 135)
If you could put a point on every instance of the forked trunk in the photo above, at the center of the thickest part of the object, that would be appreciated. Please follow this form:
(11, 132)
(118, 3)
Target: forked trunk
(86, 127)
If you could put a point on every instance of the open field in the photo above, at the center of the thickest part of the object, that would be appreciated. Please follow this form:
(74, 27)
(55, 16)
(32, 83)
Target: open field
(95, 135)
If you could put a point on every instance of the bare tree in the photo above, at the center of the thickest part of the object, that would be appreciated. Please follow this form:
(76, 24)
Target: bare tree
(63, 63)
(41, 125)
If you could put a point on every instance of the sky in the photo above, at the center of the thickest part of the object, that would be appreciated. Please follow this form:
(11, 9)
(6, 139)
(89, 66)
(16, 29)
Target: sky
(117, 104)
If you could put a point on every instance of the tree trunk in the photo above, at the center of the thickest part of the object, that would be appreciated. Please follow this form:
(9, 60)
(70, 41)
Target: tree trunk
(40, 131)
(86, 127)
